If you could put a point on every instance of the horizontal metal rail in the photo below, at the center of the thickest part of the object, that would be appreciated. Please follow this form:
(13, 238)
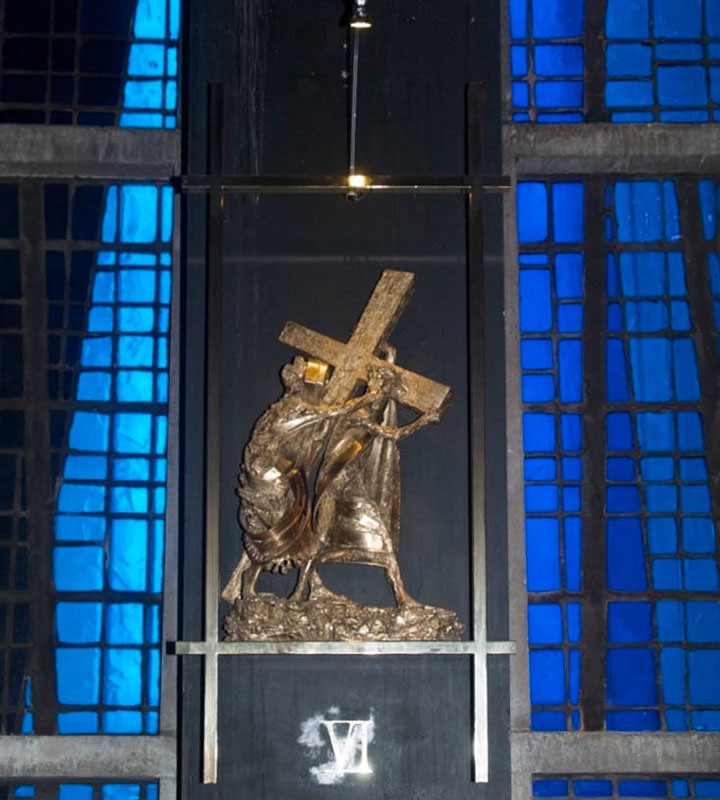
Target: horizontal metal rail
(341, 648)
(338, 184)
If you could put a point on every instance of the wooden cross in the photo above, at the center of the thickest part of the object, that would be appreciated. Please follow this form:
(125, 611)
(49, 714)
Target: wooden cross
(353, 360)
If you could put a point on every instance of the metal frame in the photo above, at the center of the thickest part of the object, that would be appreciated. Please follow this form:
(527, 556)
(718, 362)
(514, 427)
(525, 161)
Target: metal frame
(216, 185)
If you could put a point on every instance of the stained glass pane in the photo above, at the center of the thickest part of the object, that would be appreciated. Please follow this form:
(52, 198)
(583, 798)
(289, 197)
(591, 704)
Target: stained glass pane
(100, 64)
(571, 787)
(111, 503)
(658, 563)
(657, 60)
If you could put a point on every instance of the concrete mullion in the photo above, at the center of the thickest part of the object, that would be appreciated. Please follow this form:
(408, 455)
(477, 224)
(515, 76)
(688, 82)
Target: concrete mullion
(84, 152)
(136, 757)
(607, 148)
(605, 753)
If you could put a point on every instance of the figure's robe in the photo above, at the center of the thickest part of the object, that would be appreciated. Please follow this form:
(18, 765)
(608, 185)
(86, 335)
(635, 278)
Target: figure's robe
(275, 507)
(357, 503)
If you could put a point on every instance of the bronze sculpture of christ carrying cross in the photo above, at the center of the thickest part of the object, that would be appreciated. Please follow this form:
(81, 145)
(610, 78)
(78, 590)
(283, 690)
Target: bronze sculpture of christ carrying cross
(354, 514)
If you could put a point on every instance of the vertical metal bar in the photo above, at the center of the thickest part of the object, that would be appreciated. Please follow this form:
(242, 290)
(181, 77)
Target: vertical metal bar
(476, 368)
(168, 682)
(593, 492)
(519, 673)
(354, 98)
(37, 453)
(594, 44)
(213, 386)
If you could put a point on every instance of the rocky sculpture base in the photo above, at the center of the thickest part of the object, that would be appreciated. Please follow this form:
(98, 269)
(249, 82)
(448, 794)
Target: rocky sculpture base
(329, 617)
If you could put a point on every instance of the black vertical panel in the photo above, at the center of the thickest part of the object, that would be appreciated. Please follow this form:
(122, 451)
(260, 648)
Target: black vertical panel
(593, 499)
(37, 454)
(596, 110)
(315, 260)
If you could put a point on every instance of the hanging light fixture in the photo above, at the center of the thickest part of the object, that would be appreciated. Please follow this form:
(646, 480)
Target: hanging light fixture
(359, 19)
(358, 22)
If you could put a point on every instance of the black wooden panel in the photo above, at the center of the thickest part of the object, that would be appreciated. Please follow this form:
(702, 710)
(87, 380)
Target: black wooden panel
(315, 260)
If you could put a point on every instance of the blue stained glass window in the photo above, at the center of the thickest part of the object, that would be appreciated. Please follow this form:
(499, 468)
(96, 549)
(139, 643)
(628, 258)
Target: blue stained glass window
(660, 61)
(532, 212)
(660, 534)
(630, 622)
(67, 64)
(586, 787)
(122, 677)
(670, 621)
(121, 791)
(128, 555)
(542, 545)
(75, 791)
(631, 677)
(109, 524)
(547, 677)
(572, 541)
(127, 722)
(150, 92)
(78, 675)
(555, 89)
(78, 569)
(78, 623)
(550, 788)
(603, 786)
(545, 623)
(147, 60)
(661, 369)
(552, 359)
(124, 623)
(570, 318)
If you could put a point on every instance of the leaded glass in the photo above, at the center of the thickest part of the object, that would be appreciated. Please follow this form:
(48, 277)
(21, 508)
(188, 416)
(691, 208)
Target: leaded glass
(109, 526)
(620, 61)
(643, 418)
(90, 63)
(578, 786)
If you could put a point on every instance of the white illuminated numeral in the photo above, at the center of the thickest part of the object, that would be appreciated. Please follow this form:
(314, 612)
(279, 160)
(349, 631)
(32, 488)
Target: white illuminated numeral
(351, 753)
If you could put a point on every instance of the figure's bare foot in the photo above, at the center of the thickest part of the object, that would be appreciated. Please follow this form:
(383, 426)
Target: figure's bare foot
(405, 601)
(319, 591)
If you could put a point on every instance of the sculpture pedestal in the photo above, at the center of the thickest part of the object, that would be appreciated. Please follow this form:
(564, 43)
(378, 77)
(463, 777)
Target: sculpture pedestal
(330, 617)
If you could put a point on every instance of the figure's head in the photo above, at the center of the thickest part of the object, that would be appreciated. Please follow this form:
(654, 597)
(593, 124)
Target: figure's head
(292, 375)
(383, 380)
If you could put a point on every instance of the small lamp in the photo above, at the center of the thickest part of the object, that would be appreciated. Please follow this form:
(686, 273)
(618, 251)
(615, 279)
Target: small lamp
(359, 19)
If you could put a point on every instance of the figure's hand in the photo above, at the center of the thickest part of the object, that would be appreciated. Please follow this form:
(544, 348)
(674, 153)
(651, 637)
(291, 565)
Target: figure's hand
(390, 353)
